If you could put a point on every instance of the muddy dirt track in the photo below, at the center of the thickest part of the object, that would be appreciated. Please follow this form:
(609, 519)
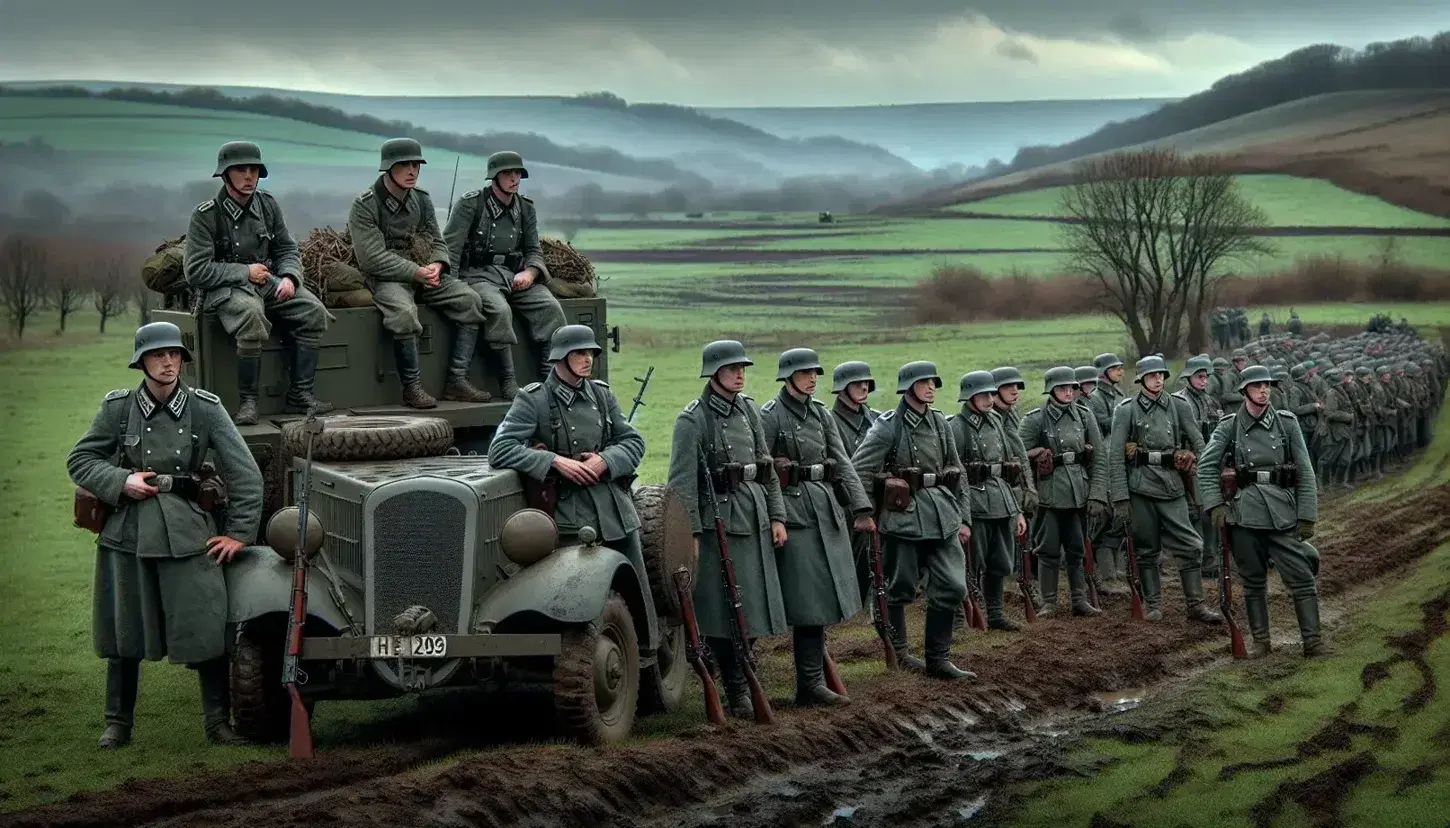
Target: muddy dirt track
(909, 751)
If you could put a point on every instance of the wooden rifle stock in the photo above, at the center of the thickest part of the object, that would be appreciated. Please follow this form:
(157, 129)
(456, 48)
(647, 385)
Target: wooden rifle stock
(694, 652)
(1134, 584)
(1089, 567)
(1225, 595)
(299, 740)
(972, 606)
(878, 579)
(744, 654)
(1024, 580)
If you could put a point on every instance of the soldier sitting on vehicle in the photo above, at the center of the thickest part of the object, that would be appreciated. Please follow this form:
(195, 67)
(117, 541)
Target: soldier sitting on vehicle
(159, 589)
(239, 252)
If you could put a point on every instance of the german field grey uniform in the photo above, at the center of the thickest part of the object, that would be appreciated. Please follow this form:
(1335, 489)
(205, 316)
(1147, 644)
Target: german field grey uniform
(1296, 325)
(224, 239)
(1149, 432)
(1108, 543)
(1205, 411)
(490, 240)
(1231, 398)
(1304, 402)
(1270, 517)
(1336, 458)
(728, 431)
(1026, 497)
(1072, 492)
(156, 593)
(991, 467)
(852, 422)
(383, 227)
(817, 575)
(576, 418)
(914, 445)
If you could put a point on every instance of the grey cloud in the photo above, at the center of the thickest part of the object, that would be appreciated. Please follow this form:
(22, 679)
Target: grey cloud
(1014, 49)
(1135, 27)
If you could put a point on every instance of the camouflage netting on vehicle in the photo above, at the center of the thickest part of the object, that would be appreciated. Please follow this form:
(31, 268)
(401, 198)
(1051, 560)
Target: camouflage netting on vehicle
(328, 263)
(572, 274)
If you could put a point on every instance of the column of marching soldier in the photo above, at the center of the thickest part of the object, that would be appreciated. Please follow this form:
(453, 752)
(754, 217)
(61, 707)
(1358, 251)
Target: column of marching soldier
(942, 497)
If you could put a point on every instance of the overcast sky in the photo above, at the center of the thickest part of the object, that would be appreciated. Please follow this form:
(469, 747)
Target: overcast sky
(699, 52)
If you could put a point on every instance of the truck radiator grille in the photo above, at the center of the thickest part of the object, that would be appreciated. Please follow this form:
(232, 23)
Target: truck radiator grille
(343, 526)
(418, 558)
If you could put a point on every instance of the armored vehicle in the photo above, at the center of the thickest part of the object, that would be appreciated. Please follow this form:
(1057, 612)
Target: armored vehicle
(426, 568)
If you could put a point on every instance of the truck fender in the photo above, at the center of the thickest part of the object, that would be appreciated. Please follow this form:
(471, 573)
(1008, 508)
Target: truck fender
(568, 587)
(259, 582)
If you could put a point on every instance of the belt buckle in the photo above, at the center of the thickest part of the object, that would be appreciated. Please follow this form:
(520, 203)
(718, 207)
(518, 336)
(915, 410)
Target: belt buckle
(747, 473)
(499, 259)
(928, 479)
(1069, 457)
(995, 469)
(1155, 458)
(163, 482)
(1262, 477)
(817, 472)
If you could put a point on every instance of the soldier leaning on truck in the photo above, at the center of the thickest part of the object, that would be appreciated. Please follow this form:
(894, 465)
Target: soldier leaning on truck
(493, 238)
(159, 590)
(240, 255)
(383, 221)
(569, 431)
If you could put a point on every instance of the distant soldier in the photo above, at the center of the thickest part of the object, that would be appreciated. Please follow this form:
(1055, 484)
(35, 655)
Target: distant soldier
(240, 254)
(1216, 380)
(1154, 438)
(1266, 326)
(159, 586)
(1009, 391)
(1278, 395)
(1296, 325)
(927, 515)
(1087, 383)
(1072, 476)
(1231, 399)
(817, 575)
(1306, 406)
(493, 238)
(568, 432)
(383, 221)
(1111, 560)
(853, 384)
(1337, 446)
(724, 424)
(1206, 413)
(1271, 514)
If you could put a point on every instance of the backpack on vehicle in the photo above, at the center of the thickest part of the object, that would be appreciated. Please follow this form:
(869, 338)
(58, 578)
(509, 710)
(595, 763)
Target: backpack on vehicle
(164, 273)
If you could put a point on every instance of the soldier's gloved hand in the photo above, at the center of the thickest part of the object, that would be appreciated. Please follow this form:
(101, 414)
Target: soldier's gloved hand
(777, 533)
(1306, 529)
(865, 524)
(1130, 449)
(1030, 502)
(1097, 512)
(1218, 515)
(138, 486)
(1123, 512)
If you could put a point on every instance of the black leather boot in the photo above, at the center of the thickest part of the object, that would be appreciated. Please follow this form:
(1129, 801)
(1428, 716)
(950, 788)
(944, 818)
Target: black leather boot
(1077, 591)
(458, 388)
(500, 362)
(249, 383)
(1256, 607)
(1048, 575)
(216, 701)
(300, 397)
(1151, 578)
(938, 646)
(896, 617)
(1307, 610)
(123, 676)
(993, 592)
(1197, 609)
(410, 373)
(810, 668)
(732, 679)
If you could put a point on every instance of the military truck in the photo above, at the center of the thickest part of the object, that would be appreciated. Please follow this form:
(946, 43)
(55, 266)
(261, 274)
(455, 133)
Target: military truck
(429, 569)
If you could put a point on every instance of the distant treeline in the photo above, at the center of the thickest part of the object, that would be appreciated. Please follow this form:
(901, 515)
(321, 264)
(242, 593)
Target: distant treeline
(1412, 63)
(531, 145)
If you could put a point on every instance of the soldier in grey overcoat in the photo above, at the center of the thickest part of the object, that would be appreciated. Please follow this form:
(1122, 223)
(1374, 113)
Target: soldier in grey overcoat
(817, 577)
(159, 590)
(569, 431)
(853, 384)
(720, 434)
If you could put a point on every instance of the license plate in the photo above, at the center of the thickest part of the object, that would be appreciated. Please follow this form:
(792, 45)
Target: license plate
(409, 646)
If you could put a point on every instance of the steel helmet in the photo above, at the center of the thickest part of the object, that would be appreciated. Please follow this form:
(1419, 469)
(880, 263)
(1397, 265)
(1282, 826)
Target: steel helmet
(572, 338)
(798, 359)
(399, 150)
(238, 154)
(913, 372)
(155, 336)
(849, 372)
(720, 353)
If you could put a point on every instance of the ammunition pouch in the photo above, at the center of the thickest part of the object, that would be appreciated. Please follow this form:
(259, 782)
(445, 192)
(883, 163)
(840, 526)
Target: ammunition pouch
(1042, 462)
(979, 473)
(895, 487)
(892, 492)
(1285, 476)
(91, 513)
(733, 476)
(792, 473)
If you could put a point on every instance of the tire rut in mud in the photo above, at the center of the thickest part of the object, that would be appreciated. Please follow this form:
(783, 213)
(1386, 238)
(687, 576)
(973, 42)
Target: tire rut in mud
(1054, 666)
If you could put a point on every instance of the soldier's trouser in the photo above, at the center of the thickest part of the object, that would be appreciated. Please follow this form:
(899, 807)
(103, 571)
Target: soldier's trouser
(865, 571)
(1164, 526)
(123, 678)
(1212, 554)
(945, 565)
(1297, 563)
(630, 547)
(245, 316)
(398, 302)
(154, 608)
(536, 304)
(1062, 537)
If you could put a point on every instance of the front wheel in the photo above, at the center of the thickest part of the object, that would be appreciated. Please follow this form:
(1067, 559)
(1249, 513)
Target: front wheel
(662, 687)
(596, 677)
(262, 708)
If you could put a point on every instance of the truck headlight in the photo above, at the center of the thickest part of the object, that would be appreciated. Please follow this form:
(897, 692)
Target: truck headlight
(286, 524)
(528, 536)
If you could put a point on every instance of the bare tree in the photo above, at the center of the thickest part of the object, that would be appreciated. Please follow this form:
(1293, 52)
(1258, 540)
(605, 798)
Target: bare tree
(1153, 228)
(67, 288)
(23, 264)
(110, 286)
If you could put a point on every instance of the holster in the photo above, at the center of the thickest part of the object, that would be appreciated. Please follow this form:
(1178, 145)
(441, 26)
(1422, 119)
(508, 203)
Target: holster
(90, 512)
(1228, 482)
(892, 492)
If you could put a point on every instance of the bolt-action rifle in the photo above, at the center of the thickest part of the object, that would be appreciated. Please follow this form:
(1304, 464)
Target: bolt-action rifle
(299, 742)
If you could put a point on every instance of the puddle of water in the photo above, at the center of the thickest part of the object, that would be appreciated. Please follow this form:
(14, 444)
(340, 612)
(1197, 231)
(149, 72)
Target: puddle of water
(963, 716)
(1122, 700)
(845, 812)
(984, 755)
(971, 809)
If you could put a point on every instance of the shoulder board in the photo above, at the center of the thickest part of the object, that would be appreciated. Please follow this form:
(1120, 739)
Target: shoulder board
(1124, 401)
(1225, 418)
(1287, 414)
(365, 194)
(769, 405)
(470, 194)
(746, 396)
(1034, 411)
(532, 387)
(420, 190)
(207, 395)
(694, 404)
(525, 198)
(886, 415)
(118, 394)
(206, 205)
(600, 383)
(951, 417)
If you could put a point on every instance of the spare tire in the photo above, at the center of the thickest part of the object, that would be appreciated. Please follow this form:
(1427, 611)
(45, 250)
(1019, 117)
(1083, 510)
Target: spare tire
(668, 543)
(370, 438)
